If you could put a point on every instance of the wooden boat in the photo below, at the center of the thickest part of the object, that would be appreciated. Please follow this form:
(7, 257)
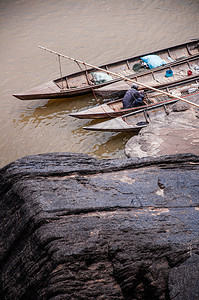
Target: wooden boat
(81, 82)
(155, 78)
(135, 120)
(113, 109)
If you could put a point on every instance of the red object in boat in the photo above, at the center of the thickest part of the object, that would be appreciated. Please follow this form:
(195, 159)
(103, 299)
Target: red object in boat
(189, 73)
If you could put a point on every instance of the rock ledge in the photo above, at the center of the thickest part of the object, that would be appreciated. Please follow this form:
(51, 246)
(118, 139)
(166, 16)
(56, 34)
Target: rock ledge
(73, 227)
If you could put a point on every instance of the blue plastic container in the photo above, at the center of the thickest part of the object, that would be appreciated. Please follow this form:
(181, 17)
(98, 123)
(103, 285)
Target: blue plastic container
(169, 73)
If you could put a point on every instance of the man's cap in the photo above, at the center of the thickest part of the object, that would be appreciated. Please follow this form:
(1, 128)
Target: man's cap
(134, 86)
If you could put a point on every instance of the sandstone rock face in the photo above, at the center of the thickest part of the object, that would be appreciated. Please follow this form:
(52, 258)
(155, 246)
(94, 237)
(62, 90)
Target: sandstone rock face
(73, 227)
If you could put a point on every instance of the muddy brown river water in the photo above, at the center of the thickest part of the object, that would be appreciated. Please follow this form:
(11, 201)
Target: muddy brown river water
(95, 31)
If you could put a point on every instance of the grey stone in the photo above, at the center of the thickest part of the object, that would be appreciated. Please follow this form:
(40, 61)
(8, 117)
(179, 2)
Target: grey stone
(184, 280)
(174, 133)
(73, 227)
(180, 106)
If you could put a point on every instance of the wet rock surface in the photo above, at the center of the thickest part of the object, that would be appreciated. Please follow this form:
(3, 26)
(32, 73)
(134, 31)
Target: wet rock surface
(173, 133)
(73, 227)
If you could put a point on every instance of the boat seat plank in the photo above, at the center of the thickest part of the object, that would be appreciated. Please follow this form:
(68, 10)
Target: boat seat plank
(126, 72)
(145, 78)
(63, 84)
(165, 55)
(116, 106)
(132, 62)
(178, 53)
(119, 68)
(77, 81)
(194, 49)
(130, 120)
(128, 65)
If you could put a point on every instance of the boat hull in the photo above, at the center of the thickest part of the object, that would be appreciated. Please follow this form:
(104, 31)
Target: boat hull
(114, 109)
(116, 125)
(125, 124)
(50, 91)
(134, 121)
(80, 83)
(107, 113)
(154, 78)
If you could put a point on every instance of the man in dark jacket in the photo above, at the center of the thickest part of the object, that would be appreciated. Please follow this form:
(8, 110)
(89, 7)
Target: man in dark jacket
(133, 98)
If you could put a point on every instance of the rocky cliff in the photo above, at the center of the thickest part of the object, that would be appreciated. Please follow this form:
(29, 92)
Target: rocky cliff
(73, 227)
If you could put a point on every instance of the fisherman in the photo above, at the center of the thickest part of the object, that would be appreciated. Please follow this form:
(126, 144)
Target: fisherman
(133, 97)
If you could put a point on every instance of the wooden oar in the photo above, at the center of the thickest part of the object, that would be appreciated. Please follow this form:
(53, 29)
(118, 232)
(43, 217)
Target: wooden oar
(119, 76)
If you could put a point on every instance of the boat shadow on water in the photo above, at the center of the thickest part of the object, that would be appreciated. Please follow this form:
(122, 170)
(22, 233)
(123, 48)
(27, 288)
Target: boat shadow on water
(110, 143)
(54, 109)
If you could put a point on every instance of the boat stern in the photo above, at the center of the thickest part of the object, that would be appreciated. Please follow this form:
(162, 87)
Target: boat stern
(43, 91)
(97, 112)
(118, 124)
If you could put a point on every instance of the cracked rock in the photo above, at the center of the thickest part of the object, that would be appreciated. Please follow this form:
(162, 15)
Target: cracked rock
(74, 227)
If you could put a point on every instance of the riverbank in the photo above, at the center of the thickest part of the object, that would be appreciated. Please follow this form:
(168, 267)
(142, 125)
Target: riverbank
(176, 132)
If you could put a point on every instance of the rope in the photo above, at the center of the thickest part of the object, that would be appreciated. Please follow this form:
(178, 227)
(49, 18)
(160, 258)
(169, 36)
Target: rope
(78, 65)
(59, 59)
(90, 83)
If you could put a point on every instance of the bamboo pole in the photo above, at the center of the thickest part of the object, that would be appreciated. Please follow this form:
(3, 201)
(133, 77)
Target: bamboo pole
(60, 70)
(120, 76)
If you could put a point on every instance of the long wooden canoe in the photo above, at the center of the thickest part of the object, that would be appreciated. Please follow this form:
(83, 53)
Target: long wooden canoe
(114, 109)
(81, 82)
(134, 121)
(155, 78)
(131, 122)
